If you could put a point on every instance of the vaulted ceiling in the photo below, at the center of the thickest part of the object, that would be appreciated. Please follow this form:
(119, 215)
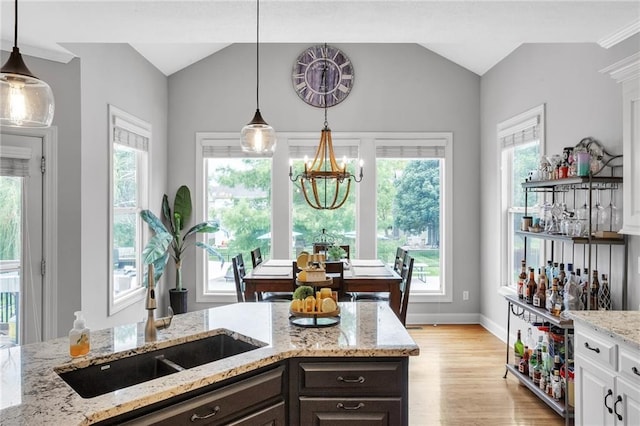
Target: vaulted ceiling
(475, 34)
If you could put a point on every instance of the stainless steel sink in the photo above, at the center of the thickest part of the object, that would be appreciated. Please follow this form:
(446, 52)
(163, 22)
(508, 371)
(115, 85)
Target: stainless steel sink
(107, 377)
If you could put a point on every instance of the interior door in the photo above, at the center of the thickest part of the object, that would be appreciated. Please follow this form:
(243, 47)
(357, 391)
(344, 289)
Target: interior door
(21, 239)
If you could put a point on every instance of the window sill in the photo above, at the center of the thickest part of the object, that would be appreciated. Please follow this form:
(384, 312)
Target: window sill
(507, 291)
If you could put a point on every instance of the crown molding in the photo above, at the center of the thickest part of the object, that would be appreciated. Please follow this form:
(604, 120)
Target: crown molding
(620, 34)
(625, 69)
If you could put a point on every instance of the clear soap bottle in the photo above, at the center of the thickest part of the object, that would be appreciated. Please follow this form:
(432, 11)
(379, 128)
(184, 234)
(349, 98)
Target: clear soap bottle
(79, 337)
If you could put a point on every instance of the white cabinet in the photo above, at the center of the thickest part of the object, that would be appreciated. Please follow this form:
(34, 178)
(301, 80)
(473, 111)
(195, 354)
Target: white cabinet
(607, 379)
(627, 72)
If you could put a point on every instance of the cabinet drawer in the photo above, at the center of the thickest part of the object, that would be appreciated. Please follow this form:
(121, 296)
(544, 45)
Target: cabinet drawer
(356, 378)
(270, 416)
(630, 364)
(350, 411)
(598, 348)
(217, 406)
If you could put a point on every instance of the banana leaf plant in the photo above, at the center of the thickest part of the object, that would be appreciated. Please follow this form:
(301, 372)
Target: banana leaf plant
(168, 239)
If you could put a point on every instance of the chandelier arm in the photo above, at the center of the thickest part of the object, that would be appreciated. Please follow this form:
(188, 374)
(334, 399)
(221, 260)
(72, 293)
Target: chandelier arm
(345, 196)
(316, 196)
(335, 193)
(304, 192)
(332, 156)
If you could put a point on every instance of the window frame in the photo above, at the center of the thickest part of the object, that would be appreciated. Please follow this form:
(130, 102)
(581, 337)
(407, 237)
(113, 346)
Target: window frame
(121, 119)
(509, 129)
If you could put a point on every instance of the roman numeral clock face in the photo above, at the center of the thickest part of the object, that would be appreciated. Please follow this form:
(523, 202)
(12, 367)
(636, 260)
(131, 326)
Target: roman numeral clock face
(322, 75)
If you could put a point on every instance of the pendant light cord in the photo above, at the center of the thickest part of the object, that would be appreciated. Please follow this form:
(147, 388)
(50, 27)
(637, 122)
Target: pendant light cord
(15, 26)
(257, 54)
(324, 83)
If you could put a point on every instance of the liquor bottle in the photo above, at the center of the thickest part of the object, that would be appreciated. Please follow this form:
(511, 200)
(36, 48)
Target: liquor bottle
(530, 341)
(562, 278)
(593, 294)
(531, 287)
(548, 270)
(554, 272)
(518, 349)
(532, 363)
(541, 294)
(523, 367)
(558, 307)
(537, 368)
(552, 297)
(521, 279)
(604, 295)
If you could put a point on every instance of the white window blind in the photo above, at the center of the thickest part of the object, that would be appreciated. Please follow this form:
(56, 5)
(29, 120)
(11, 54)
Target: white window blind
(389, 151)
(299, 151)
(227, 149)
(130, 139)
(14, 161)
(520, 133)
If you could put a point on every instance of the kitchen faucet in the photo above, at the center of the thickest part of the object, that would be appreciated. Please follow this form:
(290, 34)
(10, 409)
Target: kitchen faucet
(153, 324)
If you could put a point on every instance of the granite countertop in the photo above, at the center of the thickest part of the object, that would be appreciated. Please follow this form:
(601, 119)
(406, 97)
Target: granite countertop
(31, 392)
(620, 325)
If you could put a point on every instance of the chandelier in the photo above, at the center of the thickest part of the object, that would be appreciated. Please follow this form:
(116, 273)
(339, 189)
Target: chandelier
(325, 184)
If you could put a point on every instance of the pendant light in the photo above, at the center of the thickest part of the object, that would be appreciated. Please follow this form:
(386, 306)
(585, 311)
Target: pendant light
(25, 100)
(258, 136)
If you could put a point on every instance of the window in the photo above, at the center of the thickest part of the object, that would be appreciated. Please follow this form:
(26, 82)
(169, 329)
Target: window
(411, 194)
(129, 145)
(521, 140)
(237, 192)
(247, 195)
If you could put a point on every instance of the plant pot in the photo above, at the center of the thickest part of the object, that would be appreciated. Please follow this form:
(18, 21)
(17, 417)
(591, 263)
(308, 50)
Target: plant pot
(178, 300)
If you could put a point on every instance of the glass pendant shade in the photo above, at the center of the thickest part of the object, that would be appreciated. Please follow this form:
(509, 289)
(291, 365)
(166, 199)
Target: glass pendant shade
(258, 136)
(25, 101)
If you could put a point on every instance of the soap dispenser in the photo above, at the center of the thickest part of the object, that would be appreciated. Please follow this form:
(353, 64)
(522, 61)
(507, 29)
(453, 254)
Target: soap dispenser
(79, 337)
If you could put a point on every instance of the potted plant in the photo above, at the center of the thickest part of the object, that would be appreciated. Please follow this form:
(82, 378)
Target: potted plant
(335, 252)
(170, 241)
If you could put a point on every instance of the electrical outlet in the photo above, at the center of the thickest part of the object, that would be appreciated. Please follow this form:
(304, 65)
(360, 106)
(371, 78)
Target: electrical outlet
(465, 295)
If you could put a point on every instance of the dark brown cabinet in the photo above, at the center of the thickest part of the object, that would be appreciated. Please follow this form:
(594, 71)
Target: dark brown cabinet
(371, 391)
(252, 401)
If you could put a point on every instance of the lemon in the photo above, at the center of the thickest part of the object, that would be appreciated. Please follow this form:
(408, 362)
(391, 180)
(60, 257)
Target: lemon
(328, 305)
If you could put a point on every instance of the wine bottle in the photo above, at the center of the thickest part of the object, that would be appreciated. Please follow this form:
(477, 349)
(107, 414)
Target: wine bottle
(518, 349)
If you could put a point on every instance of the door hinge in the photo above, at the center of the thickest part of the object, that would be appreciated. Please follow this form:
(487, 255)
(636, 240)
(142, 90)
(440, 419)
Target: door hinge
(43, 267)
(43, 164)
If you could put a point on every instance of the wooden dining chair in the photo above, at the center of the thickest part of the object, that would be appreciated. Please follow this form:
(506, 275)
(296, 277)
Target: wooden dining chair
(336, 271)
(239, 272)
(256, 257)
(400, 255)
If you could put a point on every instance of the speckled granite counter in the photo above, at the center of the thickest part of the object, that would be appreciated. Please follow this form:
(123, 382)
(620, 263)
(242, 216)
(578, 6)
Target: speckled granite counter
(32, 393)
(621, 325)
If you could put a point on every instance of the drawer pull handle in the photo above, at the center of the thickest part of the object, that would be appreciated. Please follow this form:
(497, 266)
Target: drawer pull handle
(215, 411)
(610, 393)
(596, 350)
(636, 371)
(360, 379)
(615, 407)
(355, 407)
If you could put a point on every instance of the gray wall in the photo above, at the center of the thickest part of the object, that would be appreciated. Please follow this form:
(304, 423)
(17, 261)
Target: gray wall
(580, 101)
(110, 74)
(398, 87)
(64, 80)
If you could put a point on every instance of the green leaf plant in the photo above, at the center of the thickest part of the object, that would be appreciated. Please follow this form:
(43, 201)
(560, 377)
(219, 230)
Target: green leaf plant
(168, 239)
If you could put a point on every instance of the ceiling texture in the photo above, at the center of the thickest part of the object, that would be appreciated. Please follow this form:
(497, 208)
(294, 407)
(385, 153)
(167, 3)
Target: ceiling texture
(476, 34)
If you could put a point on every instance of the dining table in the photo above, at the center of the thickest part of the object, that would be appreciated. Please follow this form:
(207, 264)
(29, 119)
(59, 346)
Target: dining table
(360, 276)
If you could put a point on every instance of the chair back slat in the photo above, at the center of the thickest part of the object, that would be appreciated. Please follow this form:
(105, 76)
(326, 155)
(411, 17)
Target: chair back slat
(407, 273)
(239, 272)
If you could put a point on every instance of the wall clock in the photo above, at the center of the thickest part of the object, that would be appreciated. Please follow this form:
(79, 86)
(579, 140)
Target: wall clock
(322, 74)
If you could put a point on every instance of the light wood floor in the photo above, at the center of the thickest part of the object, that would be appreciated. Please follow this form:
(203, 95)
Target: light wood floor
(457, 380)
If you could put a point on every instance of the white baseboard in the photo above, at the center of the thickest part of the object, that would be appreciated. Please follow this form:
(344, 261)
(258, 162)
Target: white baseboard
(426, 318)
(494, 328)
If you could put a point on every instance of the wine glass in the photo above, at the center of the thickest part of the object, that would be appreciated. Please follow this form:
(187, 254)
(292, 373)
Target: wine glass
(583, 216)
(612, 216)
(596, 214)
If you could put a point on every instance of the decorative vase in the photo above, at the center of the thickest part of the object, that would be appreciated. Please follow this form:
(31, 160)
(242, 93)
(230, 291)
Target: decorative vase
(178, 300)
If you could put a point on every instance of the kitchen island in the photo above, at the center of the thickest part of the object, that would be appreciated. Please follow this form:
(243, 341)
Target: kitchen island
(34, 393)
